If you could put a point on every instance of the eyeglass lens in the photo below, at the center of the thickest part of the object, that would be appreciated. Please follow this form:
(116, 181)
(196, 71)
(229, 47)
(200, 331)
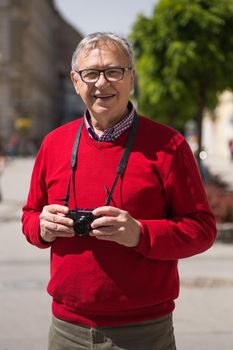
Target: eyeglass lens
(110, 74)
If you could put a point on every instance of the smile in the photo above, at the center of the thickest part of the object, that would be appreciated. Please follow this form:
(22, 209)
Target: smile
(104, 97)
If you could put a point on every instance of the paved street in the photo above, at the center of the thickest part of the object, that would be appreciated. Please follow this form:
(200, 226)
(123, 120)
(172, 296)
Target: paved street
(24, 269)
(204, 313)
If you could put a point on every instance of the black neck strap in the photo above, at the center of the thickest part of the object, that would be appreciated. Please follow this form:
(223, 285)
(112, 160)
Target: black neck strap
(121, 167)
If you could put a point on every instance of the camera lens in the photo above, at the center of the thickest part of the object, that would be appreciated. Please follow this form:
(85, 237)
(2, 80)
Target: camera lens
(82, 226)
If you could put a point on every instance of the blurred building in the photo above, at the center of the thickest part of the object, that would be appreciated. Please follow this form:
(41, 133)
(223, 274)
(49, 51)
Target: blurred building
(218, 127)
(36, 95)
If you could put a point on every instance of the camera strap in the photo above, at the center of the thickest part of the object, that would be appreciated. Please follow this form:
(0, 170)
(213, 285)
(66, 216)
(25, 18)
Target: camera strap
(125, 157)
(121, 167)
(73, 162)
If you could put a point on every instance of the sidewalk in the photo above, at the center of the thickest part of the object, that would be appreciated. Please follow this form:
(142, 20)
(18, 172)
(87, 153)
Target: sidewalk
(24, 270)
(203, 317)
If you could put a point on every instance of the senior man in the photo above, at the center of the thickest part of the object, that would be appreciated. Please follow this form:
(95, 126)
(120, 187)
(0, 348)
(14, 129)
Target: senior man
(118, 198)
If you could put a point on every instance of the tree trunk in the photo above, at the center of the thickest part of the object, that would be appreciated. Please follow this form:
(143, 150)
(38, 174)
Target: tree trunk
(172, 120)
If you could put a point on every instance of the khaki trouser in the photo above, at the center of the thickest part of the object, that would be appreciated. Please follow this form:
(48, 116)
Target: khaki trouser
(149, 335)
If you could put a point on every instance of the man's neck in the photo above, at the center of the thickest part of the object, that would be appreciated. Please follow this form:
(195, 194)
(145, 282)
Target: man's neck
(100, 126)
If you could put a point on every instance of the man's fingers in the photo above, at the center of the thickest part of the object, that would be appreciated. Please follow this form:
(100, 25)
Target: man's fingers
(107, 210)
(56, 208)
(103, 221)
(56, 227)
(52, 230)
(56, 213)
(59, 219)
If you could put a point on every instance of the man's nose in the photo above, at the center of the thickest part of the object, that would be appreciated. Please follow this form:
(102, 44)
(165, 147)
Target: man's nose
(102, 80)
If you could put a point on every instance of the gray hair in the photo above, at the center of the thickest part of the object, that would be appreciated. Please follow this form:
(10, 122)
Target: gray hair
(91, 41)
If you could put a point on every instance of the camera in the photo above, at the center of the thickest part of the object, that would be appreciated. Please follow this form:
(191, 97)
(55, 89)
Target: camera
(83, 219)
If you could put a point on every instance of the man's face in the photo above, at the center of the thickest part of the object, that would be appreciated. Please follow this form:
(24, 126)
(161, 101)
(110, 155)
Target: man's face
(106, 101)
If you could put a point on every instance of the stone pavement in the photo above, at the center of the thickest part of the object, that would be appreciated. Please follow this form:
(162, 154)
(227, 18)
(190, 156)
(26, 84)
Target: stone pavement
(25, 305)
(203, 317)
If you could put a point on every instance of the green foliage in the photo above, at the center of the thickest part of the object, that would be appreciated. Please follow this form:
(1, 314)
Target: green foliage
(184, 57)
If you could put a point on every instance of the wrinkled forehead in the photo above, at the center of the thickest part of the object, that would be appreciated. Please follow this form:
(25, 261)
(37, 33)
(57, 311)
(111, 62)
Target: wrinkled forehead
(106, 45)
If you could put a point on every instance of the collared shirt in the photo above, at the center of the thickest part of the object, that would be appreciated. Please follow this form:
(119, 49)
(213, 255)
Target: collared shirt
(111, 134)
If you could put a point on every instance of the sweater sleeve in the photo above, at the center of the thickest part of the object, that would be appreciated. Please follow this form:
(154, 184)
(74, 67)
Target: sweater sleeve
(37, 199)
(189, 227)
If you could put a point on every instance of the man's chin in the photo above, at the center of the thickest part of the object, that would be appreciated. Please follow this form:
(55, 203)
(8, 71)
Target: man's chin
(101, 111)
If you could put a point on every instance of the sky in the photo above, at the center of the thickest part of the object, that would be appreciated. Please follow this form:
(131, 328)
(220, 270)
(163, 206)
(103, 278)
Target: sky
(89, 16)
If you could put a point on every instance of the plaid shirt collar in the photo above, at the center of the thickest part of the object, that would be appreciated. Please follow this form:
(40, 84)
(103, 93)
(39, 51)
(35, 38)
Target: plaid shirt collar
(111, 134)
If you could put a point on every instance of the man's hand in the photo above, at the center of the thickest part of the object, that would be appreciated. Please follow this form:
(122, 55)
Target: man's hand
(116, 225)
(53, 223)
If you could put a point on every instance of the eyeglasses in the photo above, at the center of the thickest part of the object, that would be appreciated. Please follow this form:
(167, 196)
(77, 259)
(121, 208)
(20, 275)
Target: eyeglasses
(110, 74)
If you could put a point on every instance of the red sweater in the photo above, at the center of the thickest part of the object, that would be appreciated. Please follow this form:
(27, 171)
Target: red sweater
(102, 283)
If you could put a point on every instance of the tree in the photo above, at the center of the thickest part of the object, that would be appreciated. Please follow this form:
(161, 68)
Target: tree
(184, 59)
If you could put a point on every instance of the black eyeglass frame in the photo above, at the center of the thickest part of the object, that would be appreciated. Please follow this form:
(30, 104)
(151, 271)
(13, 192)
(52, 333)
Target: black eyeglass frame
(99, 71)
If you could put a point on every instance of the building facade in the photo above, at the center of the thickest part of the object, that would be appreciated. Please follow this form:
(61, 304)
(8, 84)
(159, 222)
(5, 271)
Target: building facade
(36, 94)
(217, 130)
(218, 127)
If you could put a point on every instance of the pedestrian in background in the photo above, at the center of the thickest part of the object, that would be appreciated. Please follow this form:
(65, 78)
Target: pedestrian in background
(114, 276)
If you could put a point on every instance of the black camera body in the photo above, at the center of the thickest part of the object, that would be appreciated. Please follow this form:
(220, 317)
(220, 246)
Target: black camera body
(83, 219)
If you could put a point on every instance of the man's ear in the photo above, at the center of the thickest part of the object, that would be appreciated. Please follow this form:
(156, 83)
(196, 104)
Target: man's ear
(74, 79)
(133, 74)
